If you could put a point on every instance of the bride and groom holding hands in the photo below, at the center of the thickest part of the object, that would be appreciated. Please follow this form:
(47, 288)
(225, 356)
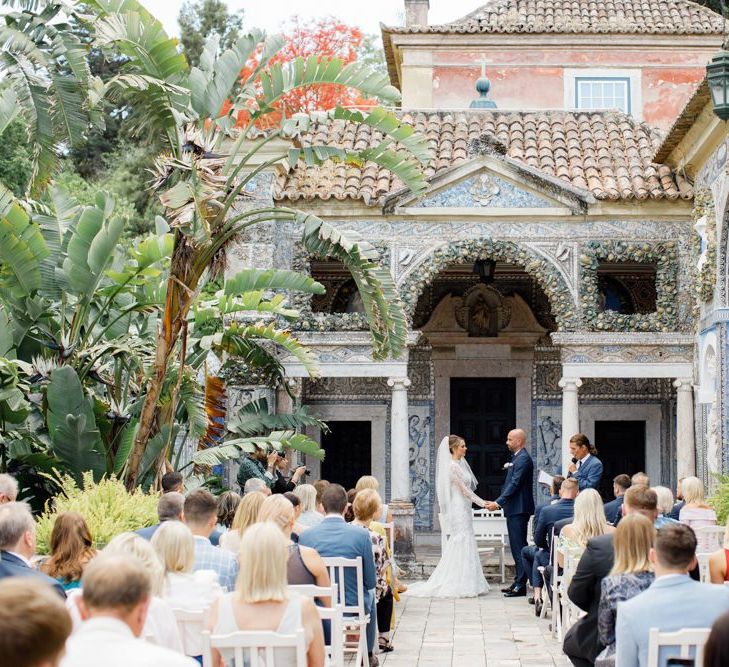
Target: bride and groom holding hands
(459, 572)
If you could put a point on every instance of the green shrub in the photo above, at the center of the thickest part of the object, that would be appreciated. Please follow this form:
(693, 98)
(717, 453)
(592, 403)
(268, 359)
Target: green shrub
(106, 506)
(719, 500)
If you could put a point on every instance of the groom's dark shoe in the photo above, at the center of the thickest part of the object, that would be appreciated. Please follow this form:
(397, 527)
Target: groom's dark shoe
(508, 589)
(516, 592)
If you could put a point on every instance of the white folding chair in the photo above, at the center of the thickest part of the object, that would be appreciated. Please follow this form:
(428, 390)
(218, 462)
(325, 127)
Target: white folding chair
(703, 567)
(389, 527)
(334, 614)
(684, 640)
(259, 647)
(570, 611)
(491, 535)
(355, 618)
(715, 539)
(190, 622)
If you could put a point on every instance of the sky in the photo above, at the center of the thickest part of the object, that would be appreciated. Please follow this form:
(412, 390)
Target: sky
(367, 14)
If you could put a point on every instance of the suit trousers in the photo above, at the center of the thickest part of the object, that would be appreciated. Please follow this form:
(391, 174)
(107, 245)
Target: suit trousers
(516, 526)
(533, 558)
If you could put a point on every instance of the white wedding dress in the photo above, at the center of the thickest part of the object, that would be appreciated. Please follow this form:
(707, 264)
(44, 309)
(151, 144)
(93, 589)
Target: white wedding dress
(458, 573)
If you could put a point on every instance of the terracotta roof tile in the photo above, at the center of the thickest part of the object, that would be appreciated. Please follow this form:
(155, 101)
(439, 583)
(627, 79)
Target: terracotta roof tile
(605, 152)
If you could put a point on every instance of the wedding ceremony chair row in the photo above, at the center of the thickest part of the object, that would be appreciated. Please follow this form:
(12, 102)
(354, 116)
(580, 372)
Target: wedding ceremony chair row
(703, 567)
(570, 611)
(191, 622)
(355, 618)
(689, 642)
(491, 535)
(255, 649)
(333, 614)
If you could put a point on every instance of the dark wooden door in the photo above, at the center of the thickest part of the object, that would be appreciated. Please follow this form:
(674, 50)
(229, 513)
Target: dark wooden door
(621, 448)
(348, 448)
(483, 411)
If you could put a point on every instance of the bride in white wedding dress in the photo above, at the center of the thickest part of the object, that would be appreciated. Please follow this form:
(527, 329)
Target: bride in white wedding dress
(458, 573)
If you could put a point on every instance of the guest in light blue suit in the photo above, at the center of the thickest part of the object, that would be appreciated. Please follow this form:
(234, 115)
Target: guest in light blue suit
(333, 537)
(673, 602)
(586, 468)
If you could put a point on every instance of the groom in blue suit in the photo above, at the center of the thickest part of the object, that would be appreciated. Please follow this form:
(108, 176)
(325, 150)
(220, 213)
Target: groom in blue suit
(517, 501)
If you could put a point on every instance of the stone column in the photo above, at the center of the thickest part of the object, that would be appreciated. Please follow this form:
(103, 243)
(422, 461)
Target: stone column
(570, 416)
(685, 448)
(403, 512)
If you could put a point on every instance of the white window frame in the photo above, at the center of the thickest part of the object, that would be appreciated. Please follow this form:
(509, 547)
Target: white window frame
(572, 75)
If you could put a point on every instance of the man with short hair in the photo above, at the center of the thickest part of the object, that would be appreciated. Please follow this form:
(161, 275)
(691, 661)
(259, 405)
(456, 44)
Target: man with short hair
(586, 468)
(334, 537)
(201, 515)
(8, 489)
(672, 602)
(256, 485)
(613, 509)
(258, 465)
(17, 545)
(113, 604)
(173, 481)
(640, 478)
(34, 622)
(170, 507)
(581, 643)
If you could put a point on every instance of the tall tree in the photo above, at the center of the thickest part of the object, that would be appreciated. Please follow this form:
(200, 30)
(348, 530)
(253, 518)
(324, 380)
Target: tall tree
(199, 19)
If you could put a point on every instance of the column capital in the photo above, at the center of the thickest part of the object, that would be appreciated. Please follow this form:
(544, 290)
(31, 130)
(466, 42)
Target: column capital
(683, 384)
(570, 384)
(398, 383)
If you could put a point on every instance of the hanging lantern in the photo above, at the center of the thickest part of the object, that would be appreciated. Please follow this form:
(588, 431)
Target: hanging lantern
(717, 75)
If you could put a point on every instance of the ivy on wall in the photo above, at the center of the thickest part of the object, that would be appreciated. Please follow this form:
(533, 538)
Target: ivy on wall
(704, 278)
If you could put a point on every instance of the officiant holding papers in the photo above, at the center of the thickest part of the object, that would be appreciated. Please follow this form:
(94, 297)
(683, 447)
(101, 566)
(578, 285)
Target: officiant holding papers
(517, 501)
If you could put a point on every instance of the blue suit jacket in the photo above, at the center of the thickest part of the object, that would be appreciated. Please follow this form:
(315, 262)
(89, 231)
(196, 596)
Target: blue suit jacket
(549, 515)
(589, 474)
(612, 509)
(516, 494)
(148, 531)
(12, 566)
(671, 603)
(335, 537)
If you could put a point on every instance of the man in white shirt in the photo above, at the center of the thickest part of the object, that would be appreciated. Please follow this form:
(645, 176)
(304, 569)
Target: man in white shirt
(114, 603)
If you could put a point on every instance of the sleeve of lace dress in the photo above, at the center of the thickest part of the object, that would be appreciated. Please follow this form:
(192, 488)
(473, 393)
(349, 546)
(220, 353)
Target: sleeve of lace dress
(457, 481)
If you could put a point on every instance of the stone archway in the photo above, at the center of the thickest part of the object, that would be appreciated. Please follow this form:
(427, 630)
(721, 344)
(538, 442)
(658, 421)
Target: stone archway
(546, 274)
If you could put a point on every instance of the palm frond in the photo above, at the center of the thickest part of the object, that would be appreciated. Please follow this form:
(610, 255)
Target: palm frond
(215, 410)
(254, 419)
(278, 440)
(271, 279)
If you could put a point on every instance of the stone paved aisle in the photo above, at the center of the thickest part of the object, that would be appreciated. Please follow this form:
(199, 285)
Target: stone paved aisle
(486, 632)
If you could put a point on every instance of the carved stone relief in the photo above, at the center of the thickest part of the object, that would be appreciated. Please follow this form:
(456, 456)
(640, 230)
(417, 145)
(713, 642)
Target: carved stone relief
(420, 428)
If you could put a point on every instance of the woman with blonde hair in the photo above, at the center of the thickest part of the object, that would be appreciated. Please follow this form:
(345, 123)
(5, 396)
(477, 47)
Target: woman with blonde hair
(160, 625)
(370, 482)
(632, 573)
(262, 602)
(71, 549)
(246, 515)
(589, 520)
(183, 588)
(696, 513)
(310, 516)
(664, 506)
(304, 564)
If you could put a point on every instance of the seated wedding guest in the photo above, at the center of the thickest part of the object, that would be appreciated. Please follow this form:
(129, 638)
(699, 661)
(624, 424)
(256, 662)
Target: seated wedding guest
(227, 505)
(673, 601)
(8, 489)
(640, 478)
(34, 622)
(201, 515)
(114, 602)
(632, 573)
(664, 507)
(294, 500)
(334, 537)
(696, 513)
(581, 643)
(169, 508)
(679, 500)
(306, 493)
(349, 513)
(245, 515)
(261, 600)
(589, 521)
(537, 555)
(160, 625)
(17, 544)
(255, 485)
(586, 468)
(554, 486)
(71, 549)
(716, 649)
(320, 485)
(621, 484)
(172, 482)
(367, 508)
(304, 565)
(183, 588)
(370, 482)
(719, 561)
